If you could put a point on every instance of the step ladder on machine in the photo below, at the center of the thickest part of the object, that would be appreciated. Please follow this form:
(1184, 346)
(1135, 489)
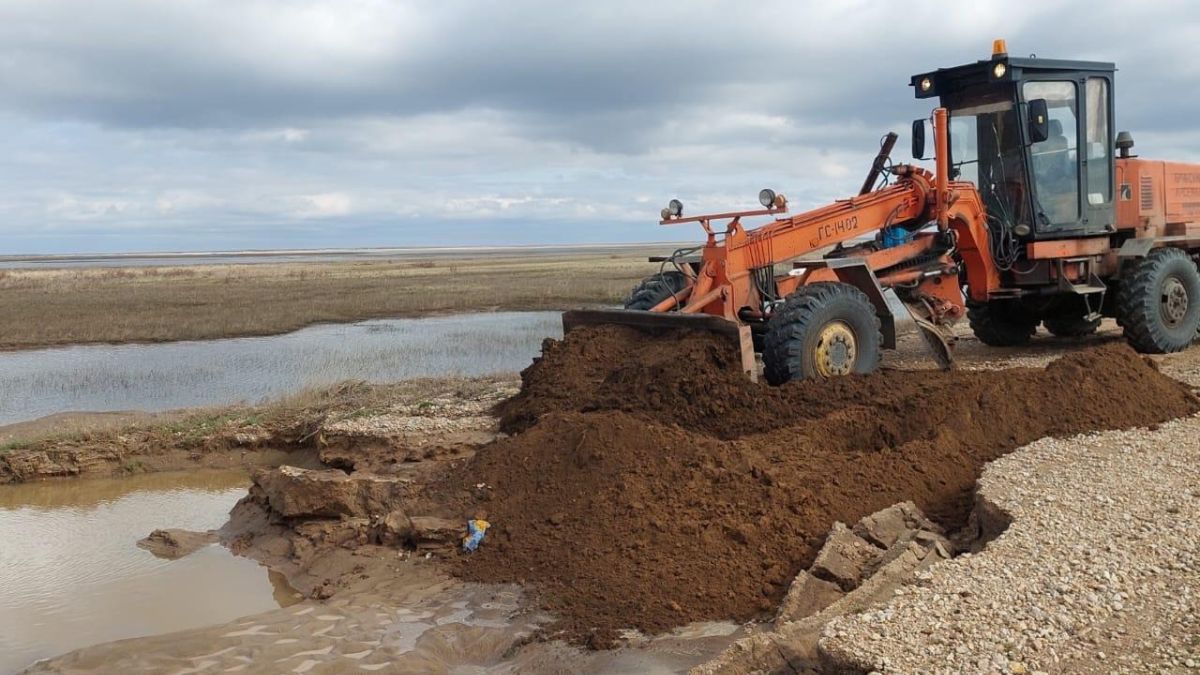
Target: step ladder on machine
(1092, 290)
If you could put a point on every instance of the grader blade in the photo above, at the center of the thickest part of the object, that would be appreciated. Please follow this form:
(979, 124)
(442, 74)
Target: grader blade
(939, 339)
(659, 323)
(939, 343)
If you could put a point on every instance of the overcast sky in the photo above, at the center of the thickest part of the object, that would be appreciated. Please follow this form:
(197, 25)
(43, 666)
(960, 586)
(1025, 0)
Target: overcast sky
(208, 125)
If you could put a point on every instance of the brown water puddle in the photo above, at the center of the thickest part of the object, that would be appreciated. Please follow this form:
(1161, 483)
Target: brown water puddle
(412, 619)
(72, 575)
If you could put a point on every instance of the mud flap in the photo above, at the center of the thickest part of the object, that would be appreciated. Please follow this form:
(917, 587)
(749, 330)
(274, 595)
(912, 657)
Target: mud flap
(657, 323)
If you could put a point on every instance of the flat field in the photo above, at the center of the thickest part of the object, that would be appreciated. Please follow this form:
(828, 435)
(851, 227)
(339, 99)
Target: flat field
(45, 307)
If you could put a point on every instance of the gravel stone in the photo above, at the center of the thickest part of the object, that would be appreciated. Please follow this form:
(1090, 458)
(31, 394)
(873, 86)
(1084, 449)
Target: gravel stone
(1097, 572)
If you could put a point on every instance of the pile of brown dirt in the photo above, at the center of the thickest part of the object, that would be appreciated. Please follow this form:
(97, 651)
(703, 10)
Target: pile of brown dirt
(649, 484)
(570, 373)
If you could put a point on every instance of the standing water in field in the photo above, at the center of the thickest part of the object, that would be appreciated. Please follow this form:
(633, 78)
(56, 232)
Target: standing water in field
(170, 375)
(71, 573)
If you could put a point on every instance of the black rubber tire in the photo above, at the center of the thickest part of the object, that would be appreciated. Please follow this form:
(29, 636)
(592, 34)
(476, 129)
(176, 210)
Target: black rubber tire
(793, 330)
(1141, 302)
(1071, 326)
(655, 289)
(1002, 323)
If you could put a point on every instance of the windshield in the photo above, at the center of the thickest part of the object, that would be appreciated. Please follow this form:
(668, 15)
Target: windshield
(986, 149)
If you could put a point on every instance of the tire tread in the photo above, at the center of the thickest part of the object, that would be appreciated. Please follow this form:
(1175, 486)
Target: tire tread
(654, 289)
(1000, 325)
(1137, 308)
(783, 343)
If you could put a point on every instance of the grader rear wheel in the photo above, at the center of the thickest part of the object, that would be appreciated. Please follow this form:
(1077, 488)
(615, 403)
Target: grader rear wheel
(1001, 323)
(1159, 302)
(822, 330)
(1072, 326)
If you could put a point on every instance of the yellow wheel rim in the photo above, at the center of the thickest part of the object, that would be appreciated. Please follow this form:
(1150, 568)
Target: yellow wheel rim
(836, 350)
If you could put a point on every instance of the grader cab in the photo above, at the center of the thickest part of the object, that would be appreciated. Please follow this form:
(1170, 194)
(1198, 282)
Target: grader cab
(1036, 213)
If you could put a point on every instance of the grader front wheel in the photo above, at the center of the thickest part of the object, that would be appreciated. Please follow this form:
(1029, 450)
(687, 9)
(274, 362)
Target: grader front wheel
(822, 330)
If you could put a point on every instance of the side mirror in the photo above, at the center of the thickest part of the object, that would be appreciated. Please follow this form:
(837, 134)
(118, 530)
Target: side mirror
(918, 139)
(1039, 121)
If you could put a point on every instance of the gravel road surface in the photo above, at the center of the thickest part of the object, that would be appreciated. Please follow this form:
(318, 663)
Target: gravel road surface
(1098, 572)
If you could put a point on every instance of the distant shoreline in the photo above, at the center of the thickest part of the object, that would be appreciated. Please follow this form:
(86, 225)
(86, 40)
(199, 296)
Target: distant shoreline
(125, 299)
(318, 253)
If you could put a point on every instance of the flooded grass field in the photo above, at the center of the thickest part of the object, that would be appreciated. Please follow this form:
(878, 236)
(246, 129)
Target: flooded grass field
(71, 573)
(154, 377)
(47, 307)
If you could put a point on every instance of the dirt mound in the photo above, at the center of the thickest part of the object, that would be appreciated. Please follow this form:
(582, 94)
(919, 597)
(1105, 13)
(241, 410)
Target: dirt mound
(649, 484)
(172, 544)
(608, 360)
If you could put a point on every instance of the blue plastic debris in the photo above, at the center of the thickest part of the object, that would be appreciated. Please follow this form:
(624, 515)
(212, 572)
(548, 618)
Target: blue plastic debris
(475, 531)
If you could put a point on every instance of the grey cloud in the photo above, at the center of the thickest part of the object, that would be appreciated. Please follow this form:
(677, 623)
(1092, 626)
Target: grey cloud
(594, 72)
(321, 121)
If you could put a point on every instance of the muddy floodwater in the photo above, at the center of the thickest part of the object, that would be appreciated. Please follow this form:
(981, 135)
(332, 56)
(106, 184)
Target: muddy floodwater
(155, 377)
(71, 573)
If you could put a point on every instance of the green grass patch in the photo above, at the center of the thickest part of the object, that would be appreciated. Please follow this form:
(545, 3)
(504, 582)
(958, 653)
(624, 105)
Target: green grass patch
(194, 430)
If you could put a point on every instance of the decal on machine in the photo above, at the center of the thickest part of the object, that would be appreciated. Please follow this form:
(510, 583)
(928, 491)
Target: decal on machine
(837, 227)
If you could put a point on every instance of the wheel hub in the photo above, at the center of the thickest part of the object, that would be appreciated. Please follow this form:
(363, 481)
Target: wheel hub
(836, 350)
(1174, 301)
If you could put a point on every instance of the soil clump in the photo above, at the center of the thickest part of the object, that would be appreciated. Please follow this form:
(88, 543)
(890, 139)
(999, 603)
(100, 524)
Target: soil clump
(648, 484)
(172, 544)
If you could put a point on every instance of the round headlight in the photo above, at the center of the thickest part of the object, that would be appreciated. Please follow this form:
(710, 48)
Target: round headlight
(926, 84)
(675, 208)
(766, 197)
(999, 70)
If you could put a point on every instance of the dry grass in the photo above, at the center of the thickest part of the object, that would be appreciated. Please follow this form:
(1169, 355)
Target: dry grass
(154, 304)
(138, 442)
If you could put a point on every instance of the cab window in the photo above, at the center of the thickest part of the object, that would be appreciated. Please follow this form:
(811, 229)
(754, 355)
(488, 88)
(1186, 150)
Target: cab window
(1055, 160)
(1099, 176)
(986, 149)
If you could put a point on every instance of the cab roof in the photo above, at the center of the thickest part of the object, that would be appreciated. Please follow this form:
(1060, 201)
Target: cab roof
(1015, 68)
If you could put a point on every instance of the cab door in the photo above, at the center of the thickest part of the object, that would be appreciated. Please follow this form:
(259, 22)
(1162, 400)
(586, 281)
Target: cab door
(1099, 212)
(1054, 164)
(1072, 170)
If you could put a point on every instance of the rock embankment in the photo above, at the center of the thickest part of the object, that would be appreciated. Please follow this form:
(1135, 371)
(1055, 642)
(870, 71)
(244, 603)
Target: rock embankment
(1096, 571)
(857, 567)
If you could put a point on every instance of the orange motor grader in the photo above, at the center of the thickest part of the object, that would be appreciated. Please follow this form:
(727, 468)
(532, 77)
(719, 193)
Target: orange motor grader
(1036, 214)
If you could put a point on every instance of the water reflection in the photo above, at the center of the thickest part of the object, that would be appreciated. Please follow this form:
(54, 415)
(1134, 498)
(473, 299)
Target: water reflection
(172, 375)
(71, 573)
